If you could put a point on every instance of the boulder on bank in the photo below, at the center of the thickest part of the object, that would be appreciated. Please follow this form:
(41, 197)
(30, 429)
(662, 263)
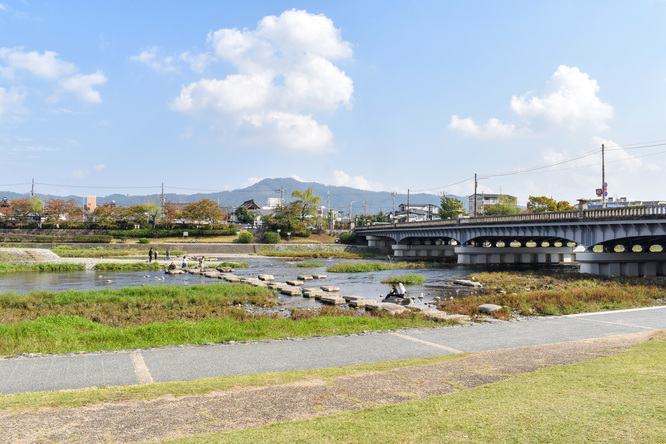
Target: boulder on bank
(489, 308)
(467, 283)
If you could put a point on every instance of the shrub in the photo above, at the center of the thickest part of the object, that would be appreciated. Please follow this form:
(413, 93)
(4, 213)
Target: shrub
(144, 240)
(245, 237)
(348, 238)
(271, 237)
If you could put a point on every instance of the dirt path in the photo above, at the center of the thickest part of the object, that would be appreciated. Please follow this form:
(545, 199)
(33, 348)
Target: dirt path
(169, 418)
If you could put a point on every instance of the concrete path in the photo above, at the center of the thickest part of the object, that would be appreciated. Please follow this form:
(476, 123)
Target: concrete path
(184, 363)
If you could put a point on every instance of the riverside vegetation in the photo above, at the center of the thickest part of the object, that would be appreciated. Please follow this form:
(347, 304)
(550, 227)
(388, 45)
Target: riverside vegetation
(134, 317)
(530, 293)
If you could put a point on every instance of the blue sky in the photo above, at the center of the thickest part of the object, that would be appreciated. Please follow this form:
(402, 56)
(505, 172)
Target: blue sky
(106, 97)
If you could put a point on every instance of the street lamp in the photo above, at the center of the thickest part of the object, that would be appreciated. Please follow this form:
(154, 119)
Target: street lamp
(350, 211)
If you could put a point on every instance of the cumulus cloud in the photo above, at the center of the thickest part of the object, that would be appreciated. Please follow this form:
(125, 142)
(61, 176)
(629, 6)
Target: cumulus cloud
(49, 67)
(494, 129)
(570, 100)
(340, 178)
(285, 72)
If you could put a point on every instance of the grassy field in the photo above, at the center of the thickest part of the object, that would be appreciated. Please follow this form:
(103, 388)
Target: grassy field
(611, 399)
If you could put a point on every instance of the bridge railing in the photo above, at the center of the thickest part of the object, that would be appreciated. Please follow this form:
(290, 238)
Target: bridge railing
(652, 211)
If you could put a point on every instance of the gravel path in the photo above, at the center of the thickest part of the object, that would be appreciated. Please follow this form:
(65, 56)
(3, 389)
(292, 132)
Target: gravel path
(169, 418)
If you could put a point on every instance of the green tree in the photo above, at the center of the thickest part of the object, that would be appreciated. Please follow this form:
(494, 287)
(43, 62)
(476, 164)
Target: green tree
(153, 211)
(244, 216)
(540, 204)
(449, 208)
(505, 206)
(306, 203)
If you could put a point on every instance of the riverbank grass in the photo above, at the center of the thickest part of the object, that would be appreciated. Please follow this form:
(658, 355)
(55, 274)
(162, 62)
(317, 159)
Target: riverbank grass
(406, 279)
(530, 293)
(40, 267)
(137, 317)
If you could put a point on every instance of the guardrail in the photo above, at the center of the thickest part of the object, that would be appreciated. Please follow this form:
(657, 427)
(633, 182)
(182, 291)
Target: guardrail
(647, 212)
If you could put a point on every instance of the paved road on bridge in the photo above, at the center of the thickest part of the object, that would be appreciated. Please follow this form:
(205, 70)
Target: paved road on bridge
(185, 363)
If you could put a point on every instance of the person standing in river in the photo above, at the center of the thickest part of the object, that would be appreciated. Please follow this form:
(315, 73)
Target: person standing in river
(150, 254)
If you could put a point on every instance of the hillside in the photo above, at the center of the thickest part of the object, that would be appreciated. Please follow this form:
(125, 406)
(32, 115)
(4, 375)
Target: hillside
(260, 192)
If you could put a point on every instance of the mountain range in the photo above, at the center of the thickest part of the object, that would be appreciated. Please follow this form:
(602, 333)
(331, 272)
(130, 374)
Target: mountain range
(340, 198)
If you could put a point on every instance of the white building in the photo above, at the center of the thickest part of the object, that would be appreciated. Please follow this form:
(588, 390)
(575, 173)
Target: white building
(483, 199)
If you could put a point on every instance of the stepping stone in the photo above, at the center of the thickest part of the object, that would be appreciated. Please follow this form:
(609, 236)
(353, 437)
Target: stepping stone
(356, 301)
(354, 298)
(291, 291)
(312, 293)
(295, 283)
(329, 288)
(225, 269)
(335, 300)
(266, 277)
(305, 278)
(318, 276)
(232, 279)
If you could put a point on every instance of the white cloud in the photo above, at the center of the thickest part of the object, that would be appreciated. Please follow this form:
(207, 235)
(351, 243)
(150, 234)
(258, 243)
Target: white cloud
(11, 101)
(99, 168)
(494, 129)
(570, 100)
(285, 72)
(151, 57)
(292, 131)
(340, 178)
(3, 7)
(81, 86)
(298, 178)
(47, 66)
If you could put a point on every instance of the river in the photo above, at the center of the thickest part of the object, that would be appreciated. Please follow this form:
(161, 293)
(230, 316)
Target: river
(437, 283)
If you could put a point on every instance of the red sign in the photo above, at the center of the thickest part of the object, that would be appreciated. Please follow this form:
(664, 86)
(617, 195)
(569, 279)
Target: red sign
(599, 192)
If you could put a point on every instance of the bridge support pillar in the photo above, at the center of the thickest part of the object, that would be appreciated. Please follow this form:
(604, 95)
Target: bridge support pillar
(515, 255)
(623, 264)
(381, 243)
(434, 251)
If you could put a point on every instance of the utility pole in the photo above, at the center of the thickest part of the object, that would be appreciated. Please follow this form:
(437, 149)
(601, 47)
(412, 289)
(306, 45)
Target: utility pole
(162, 198)
(603, 177)
(393, 194)
(475, 194)
(331, 223)
(32, 190)
(365, 210)
(407, 204)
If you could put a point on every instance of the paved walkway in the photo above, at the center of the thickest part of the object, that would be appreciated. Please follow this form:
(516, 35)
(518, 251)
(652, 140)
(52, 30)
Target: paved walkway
(184, 363)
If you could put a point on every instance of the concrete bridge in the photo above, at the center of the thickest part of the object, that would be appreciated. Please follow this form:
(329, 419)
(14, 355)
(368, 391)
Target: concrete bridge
(613, 241)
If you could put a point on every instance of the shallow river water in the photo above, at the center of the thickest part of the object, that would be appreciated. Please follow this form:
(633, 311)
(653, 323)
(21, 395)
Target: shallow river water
(437, 283)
